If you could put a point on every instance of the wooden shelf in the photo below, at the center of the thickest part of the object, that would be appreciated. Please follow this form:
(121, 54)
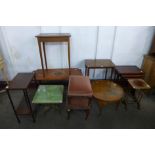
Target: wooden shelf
(23, 109)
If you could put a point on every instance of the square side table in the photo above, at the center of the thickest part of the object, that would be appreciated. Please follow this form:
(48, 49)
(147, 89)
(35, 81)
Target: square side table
(51, 95)
(99, 64)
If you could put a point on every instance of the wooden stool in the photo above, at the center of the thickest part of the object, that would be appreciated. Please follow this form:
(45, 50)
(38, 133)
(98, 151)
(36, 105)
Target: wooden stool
(79, 94)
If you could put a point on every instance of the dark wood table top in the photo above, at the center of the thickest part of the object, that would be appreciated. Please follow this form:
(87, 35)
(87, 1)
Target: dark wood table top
(107, 91)
(54, 35)
(99, 63)
(57, 74)
(128, 70)
(21, 81)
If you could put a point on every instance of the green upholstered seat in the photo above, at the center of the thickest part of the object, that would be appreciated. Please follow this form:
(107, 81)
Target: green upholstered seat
(49, 94)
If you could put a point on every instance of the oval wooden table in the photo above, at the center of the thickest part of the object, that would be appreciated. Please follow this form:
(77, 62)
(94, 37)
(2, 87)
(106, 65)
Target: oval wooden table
(106, 91)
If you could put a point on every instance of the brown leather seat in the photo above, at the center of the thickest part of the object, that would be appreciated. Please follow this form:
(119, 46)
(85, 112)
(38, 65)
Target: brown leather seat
(79, 94)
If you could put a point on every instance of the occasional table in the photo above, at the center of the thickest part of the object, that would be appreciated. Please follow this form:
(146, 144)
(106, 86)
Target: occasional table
(49, 95)
(139, 85)
(45, 73)
(52, 37)
(99, 64)
(21, 82)
(106, 91)
(128, 72)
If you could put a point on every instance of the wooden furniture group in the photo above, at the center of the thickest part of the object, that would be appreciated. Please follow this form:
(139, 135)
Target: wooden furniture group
(81, 90)
(80, 93)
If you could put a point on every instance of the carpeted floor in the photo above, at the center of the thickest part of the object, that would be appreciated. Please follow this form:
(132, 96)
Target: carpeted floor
(53, 119)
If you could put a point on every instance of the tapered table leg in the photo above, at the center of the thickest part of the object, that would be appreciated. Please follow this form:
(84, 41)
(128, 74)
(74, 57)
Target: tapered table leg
(87, 114)
(101, 106)
(139, 98)
(117, 105)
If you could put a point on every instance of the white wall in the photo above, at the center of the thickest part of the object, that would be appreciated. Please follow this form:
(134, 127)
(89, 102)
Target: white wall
(131, 43)
(124, 45)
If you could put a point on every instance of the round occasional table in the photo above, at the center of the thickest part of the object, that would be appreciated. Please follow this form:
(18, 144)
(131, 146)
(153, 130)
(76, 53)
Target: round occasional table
(106, 91)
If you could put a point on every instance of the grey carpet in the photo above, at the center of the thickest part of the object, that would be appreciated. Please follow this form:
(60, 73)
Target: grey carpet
(110, 118)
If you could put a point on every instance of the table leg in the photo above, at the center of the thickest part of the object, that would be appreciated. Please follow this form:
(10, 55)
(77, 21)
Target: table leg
(35, 80)
(87, 114)
(106, 70)
(117, 105)
(41, 57)
(85, 71)
(69, 54)
(101, 106)
(13, 106)
(68, 113)
(28, 103)
(115, 75)
(124, 100)
(111, 73)
(139, 98)
(45, 55)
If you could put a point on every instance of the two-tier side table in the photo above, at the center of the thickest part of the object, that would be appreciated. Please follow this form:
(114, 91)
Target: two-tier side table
(21, 82)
